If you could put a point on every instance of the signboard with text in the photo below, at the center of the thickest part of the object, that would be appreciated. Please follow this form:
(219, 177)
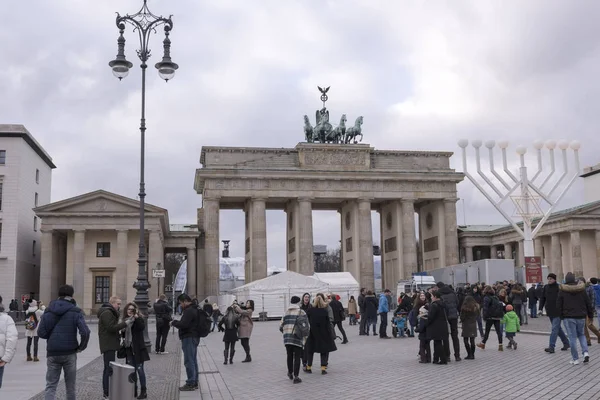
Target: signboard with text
(158, 273)
(533, 270)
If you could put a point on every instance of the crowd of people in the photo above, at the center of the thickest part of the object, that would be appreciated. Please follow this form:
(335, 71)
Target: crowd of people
(309, 326)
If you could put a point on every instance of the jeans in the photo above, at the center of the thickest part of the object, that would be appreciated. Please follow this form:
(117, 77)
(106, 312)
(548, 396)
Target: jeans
(480, 325)
(35, 340)
(383, 324)
(139, 368)
(488, 327)
(352, 319)
(371, 322)
(533, 310)
(557, 331)
(214, 324)
(190, 360)
(1, 375)
(517, 308)
(108, 356)
(294, 353)
(575, 329)
(162, 332)
(341, 328)
(55, 365)
(598, 313)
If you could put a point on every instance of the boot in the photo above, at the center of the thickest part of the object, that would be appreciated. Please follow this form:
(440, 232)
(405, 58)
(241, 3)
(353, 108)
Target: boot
(225, 355)
(323, 370)
(143, 394)
(247, 359)
(481, 346)
(29, 358)
(231, 353)
(509, 345)
(500, 347)
(36, 359)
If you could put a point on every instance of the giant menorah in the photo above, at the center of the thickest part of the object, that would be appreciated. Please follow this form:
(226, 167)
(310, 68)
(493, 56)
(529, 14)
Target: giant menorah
(531, 193)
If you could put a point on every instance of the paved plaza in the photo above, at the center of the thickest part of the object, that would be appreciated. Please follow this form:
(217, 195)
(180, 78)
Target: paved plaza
(369, 367)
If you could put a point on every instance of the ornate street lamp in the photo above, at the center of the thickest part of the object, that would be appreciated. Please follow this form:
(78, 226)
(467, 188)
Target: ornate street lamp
(144, 23)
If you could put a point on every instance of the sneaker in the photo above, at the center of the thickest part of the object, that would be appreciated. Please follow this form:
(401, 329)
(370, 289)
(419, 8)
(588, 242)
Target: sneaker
(586, 357)
(297, 380)
(481, 346)
(574, 362)
(565, 347)
(187, 388)
(164, 352)
(290, 375)
(549, 350)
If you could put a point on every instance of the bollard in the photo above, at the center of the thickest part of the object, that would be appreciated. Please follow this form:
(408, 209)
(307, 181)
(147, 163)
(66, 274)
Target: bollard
(121, 383)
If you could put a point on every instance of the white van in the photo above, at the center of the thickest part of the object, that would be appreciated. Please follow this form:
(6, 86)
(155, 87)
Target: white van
(416, 284)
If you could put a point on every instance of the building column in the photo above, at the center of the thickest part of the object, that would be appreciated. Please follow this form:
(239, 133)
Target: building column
(508, 251)
(79, 265)
(469, 253)
(555, 265)
(451, 237)
(576, 259)
(409, 241)
(256, 240)
(538, 248)
(155, 257)
(365, 245)
(121, 264)
(305, 237)
(47, 268)
(191, 287)
(211, 239)
(597, 234)
(494, 252)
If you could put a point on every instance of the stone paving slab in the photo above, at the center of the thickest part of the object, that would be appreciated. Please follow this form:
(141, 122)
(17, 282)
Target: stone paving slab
(369, 367)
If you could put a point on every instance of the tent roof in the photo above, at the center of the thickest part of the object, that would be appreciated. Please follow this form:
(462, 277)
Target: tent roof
(336, 278)
(284, 280)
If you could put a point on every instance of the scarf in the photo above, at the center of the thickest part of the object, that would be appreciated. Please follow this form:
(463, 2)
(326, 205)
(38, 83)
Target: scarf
(128, 336)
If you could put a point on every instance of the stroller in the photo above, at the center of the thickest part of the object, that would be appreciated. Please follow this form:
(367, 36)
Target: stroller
(399, 325)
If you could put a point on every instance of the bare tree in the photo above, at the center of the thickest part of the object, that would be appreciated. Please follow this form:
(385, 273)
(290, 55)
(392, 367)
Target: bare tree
(172, 263)
(329, 262)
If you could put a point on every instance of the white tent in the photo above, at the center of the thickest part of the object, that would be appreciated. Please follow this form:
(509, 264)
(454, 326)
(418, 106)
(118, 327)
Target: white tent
(340, 283)
(272, 294)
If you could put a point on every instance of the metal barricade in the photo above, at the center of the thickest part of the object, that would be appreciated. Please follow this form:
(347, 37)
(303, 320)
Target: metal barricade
(121, 383)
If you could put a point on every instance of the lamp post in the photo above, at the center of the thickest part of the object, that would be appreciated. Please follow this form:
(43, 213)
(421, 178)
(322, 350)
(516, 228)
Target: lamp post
(531, 193)
(144, 23)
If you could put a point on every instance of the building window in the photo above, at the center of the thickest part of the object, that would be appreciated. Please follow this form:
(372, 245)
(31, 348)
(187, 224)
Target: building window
(2, 157)
(33, 248)
(37, 176)
(0, 237)
(35, 200)
(1, 187)
(35, 224)
(102, 289)
(102, 249)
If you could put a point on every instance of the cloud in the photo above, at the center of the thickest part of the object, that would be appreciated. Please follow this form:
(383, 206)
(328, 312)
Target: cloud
(422, 76)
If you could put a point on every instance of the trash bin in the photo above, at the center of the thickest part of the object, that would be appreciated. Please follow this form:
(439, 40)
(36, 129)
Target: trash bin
(121, 384)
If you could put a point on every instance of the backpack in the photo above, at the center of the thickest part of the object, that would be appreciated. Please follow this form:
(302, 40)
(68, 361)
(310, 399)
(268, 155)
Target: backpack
(301, 327)
(495, 308)
(31, 323)
(204, 322)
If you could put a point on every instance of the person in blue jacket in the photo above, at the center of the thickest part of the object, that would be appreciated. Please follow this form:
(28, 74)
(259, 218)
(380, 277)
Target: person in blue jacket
(383, 310)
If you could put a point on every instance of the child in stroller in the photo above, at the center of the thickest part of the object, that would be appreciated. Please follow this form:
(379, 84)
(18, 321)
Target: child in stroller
(399, 328)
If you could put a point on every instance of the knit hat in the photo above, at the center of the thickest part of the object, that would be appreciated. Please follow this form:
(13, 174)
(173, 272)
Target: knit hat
(569, 278)
(551, 275)
(295, 300)
(509, 308)
(423, 312)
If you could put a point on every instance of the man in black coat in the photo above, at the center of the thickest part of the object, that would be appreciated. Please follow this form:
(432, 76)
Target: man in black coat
(549, 300)
(190, 339)
(574, 306)
(450, 300)
(338, 316)
(533, 299)
(162, 311)
(437, 328)
(363, 312)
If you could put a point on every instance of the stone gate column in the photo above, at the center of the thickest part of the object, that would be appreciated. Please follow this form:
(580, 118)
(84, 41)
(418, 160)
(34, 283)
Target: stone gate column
(555, 265)
(47, 267)
(305, 239)
(79, 265)
(121, 264)
(576, 259)
(538, 248)
(256, 240)
(191, 273)
(451, 237)
(597, 234)
(211, 240)
(365, 244)
(494, 252)
(409, 244)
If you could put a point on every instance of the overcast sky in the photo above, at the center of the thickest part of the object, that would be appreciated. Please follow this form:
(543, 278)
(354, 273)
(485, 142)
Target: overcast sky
(422, 74)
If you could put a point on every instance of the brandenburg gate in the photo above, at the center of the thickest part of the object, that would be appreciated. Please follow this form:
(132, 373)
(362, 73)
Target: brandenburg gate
(330, 171)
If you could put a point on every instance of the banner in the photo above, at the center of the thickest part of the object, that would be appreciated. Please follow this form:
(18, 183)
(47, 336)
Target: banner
(533, 270)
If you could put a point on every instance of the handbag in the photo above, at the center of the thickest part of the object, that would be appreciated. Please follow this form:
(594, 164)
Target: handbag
(122, 352)
(357, 316)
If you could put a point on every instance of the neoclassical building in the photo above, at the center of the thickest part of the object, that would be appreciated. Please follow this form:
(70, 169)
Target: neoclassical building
(569, 241)
(91, 241)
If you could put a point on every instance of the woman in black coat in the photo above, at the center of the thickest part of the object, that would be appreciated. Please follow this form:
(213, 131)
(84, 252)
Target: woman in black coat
(437, 328)
(320, 340)
(135, 346)
(371, 304)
